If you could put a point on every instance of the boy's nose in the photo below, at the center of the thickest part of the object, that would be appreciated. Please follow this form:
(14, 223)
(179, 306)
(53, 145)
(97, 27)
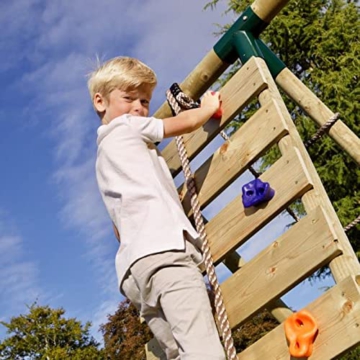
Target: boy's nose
(138, 107)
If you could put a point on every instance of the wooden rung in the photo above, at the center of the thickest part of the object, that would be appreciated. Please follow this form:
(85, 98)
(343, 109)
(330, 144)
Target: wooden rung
(294, 256)
(232, 226)
(337, 313)
(278, 309)
(347, 264)
(236, 94)
(153, 351)
(257, 135)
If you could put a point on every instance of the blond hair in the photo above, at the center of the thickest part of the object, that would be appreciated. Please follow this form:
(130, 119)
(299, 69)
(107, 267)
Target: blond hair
(123, 73)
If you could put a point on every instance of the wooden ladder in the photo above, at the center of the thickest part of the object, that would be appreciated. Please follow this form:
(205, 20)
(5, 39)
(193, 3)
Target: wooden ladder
(316, 240)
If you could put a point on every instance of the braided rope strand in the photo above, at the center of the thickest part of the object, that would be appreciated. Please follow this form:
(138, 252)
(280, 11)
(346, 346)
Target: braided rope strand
(223, 322)
(323, 129)
(352, 224)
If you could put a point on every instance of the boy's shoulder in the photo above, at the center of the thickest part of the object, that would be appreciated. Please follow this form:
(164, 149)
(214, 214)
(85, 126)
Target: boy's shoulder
(150, 129)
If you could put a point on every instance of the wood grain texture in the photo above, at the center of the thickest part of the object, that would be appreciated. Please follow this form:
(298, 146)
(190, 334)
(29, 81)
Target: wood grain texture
(266, 10)
(153, 351)
(337, 313)
(347, 264)
(252, 140)
(295, 255)
(319, 112)
(236, 94)
(232, 226)
(198, 81)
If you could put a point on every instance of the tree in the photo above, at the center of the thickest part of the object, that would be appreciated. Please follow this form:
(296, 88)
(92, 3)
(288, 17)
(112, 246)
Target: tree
(124, 335)
(253, 330)
(319, 42)
(45, 334)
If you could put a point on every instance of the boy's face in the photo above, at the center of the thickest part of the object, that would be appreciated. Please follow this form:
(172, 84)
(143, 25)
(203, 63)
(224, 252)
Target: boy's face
(134, 102)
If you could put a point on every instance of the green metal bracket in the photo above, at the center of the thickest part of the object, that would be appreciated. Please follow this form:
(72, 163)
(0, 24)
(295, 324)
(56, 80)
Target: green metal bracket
(274, 64)
(248, 22)
(246, 46)
(242, 41)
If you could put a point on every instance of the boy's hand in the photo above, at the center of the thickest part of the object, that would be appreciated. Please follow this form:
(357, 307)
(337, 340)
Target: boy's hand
(190, 120)
(212, 100)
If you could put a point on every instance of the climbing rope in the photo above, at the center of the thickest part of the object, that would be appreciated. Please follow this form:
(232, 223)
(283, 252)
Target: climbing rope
(352, 224)
(175, 97)
(323, 129)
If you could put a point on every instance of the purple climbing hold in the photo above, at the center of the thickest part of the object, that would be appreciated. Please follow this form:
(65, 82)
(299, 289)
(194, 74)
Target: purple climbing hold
(256, 192)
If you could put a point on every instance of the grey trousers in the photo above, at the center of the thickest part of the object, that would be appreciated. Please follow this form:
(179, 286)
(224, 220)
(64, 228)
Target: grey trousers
(170, 293)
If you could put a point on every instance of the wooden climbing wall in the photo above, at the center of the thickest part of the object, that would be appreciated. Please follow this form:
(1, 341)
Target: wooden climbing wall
(316, 240)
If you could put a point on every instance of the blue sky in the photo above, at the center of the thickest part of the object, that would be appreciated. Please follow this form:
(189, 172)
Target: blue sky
(56, 242)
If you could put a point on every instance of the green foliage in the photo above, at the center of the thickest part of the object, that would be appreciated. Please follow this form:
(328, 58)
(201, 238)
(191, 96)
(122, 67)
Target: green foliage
(124, 335)
(352, 355)
(253, 330)
(319, 42)
(45, 334)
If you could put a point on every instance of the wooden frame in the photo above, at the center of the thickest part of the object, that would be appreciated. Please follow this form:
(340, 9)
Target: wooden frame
(316, 240)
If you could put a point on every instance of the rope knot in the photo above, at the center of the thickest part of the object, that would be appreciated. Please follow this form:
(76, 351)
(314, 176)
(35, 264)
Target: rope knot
(185, 101)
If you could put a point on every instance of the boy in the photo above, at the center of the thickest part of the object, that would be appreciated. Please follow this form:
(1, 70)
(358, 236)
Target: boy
(157, 261)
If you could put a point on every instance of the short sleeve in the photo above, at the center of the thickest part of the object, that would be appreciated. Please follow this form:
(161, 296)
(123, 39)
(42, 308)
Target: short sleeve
(150, 128)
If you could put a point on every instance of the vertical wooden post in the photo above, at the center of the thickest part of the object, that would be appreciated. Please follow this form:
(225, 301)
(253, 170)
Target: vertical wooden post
(268, 9)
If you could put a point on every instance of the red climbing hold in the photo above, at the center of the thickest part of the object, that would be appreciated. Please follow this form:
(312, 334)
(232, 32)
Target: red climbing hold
(218, 113)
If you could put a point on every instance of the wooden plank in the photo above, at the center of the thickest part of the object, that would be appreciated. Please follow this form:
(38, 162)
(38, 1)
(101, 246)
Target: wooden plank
(347, 264)
(236, 94)
(198, 81)
(153, 351)
(234, 261)
(267, 9)
(295, 255)
(319, 112)
(256, 136)
(211, 66)
(278, 309)
(338, 315)
(232, 226)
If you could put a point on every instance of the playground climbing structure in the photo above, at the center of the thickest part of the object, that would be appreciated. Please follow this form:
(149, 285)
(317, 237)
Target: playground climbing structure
(316, 240)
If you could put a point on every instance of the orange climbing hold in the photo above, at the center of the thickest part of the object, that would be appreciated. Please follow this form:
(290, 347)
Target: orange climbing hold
(301, 330)
(218, 113)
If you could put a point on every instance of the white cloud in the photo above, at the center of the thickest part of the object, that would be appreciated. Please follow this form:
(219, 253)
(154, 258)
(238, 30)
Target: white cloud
(18, 26)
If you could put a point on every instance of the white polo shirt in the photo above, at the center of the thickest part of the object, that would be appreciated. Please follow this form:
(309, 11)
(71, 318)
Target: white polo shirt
(138, 191)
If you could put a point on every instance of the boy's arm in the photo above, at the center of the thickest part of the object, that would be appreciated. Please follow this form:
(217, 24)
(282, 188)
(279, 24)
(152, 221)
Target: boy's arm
(190, 120)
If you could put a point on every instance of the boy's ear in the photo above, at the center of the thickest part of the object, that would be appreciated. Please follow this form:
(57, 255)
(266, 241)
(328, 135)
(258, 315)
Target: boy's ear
(99, 103)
